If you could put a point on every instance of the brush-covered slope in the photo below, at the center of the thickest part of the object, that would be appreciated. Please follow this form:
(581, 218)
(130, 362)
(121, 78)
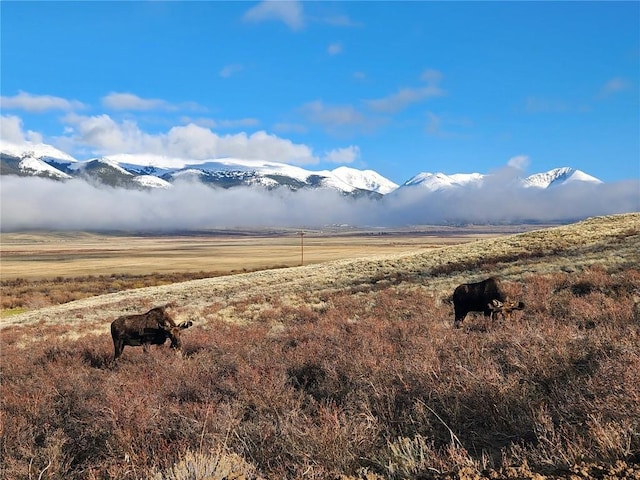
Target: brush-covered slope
(611, 241)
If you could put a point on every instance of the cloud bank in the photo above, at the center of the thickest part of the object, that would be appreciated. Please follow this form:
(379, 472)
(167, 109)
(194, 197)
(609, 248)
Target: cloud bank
(39, 103)
(495, 203)
(103, 134)
(29, 203)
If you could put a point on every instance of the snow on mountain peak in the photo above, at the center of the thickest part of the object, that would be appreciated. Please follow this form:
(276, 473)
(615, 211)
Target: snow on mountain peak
(152, 181)
(34, 150)
(32, 164)
(147, 170)
(365, 179)
(558, 176)
(103, 160)
(148, 160)
(438, 181)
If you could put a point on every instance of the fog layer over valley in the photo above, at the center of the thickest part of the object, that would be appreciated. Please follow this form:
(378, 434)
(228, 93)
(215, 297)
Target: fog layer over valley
(37, 203)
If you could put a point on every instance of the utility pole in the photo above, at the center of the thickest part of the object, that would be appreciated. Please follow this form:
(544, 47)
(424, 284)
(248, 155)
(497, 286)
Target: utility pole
(301, 247)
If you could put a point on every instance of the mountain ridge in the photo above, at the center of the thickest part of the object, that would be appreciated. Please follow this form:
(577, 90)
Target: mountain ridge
(157, 171)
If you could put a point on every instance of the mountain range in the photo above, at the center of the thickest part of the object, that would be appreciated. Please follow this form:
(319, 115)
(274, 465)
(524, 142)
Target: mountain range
(144, 171)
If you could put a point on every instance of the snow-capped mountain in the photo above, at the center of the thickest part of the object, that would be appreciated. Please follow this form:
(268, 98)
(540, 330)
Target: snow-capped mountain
(365, 179)
(439, 181)
(151, 181)
(33, 160)
(558, 176)
(41, 151)
(156, 171)
(38, 167)
(232, 172)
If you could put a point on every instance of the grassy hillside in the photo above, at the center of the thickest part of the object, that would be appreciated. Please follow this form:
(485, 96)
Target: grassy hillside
(350, 369)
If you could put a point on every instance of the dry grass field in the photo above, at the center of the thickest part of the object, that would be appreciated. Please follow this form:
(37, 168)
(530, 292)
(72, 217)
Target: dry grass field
(345, 369)
(35, 256)
(43, 269)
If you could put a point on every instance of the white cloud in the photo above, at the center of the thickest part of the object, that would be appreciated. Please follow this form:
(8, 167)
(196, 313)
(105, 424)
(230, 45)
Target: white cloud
(318, 112)
(338, 119)
(104, 135)
(519, 162)
(213, 123)
(39, 103)
(240, 122)
(288, 12)
(40, 203)
(431, 76)
(129, 101)
(36, 203)
(613, 86)
(264, 146)
(404, 97)
(291, 13)
(201, 122)
(132, 102)
(229, 70)
(500, 202)
(334, 49)
(343, 155)
(11, 131)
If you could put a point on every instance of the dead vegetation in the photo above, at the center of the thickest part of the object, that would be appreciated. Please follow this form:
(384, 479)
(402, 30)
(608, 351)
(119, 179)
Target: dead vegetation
(22, 294)
(347, 370)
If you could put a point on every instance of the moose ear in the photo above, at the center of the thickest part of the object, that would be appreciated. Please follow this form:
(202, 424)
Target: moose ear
(186, 324)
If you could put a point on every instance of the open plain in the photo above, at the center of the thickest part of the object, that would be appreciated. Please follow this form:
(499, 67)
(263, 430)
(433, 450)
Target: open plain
(38, 255)
(349, 368)
(39, 269)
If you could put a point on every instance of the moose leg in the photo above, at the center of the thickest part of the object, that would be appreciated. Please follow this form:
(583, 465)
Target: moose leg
(118, 346)
(459, 318)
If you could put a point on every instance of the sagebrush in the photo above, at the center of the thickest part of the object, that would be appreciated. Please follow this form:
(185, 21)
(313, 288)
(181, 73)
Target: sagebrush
(374, 381)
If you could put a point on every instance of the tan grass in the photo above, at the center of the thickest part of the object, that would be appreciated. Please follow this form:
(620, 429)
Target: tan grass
(40, 256)
(612, 241)
(348, 369)
(217, 465)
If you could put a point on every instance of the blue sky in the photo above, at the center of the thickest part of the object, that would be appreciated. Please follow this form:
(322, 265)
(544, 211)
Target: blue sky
(397, 87)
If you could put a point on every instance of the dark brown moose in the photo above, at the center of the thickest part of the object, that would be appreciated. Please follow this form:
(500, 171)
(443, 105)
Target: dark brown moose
(485, 296)
(151, 328)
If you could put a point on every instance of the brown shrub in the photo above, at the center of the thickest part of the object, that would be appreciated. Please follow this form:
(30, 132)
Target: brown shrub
(42, 293)
(370, 381)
